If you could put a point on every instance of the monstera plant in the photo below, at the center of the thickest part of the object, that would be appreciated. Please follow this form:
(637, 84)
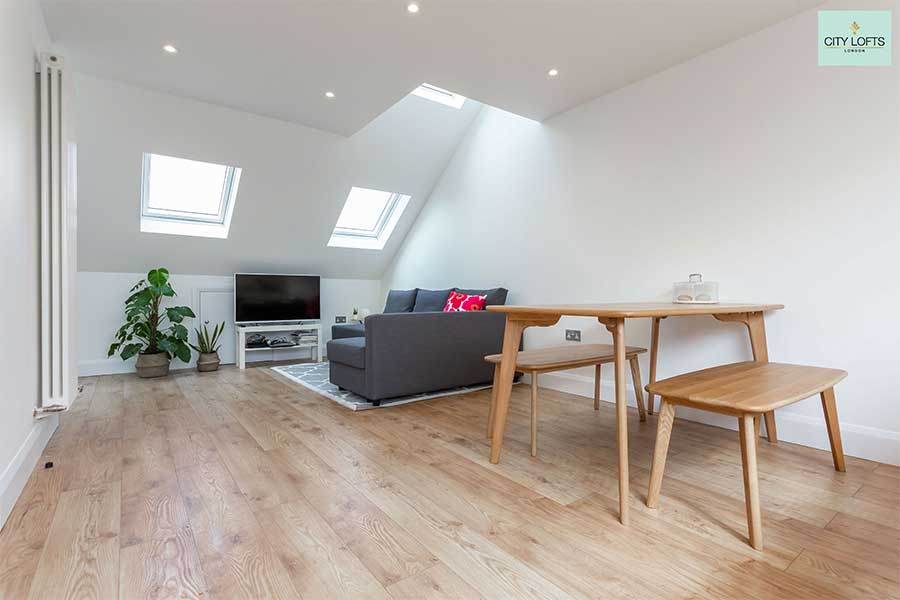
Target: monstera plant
(152, 332)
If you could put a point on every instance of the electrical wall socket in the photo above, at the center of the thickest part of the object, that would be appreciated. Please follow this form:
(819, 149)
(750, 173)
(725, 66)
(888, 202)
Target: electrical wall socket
(573, 335)
(340, 319)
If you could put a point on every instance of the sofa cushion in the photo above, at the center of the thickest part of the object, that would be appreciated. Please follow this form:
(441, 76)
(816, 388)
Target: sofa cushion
(348, 351)
(496, 296)
(431, 300)
(347, 330)
(399, 301)
(457, 302)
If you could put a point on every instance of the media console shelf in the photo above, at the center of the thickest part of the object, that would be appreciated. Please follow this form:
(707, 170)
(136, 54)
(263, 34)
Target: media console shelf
(242, 331)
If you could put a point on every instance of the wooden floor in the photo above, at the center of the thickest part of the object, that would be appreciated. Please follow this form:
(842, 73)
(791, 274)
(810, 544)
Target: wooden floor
(241, 484)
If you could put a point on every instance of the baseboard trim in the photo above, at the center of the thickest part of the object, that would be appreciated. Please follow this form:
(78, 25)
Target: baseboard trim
(16, 474)
(860, 441)
(116, 366)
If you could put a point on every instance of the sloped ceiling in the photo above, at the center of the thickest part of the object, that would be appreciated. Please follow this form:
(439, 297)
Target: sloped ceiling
(277, 58)
(293, 185)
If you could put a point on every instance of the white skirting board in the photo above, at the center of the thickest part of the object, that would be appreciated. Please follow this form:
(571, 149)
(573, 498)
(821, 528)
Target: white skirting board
(115, 365)
(14, 478)
(859, 441)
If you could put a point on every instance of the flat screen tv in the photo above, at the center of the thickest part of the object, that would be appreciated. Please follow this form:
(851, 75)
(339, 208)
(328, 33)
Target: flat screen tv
(260, 298)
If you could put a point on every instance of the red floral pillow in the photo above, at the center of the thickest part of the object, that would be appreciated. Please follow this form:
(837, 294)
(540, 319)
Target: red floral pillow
(457, 302)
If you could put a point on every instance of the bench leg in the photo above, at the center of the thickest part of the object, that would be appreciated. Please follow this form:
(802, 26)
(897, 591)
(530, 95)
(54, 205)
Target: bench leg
(751, 480)
(638, 392)
(493, 409)
(756, 428)
(663, 432)
(597, 387)
(534, 398)
(834, 429)
(771, 432)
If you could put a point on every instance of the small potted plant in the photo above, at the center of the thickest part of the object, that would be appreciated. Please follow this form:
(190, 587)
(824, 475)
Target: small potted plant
(153, 333)
(208, 347)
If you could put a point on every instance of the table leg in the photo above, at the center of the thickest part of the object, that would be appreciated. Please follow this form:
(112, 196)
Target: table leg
(490, 425)
(511, 338)
(756, 325)
(654, 355)
(617, 328)
(534, 405)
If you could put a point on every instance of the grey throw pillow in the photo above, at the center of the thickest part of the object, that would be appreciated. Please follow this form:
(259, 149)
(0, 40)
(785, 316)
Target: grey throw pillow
(400, 301)
(495, 296)
(431, 300)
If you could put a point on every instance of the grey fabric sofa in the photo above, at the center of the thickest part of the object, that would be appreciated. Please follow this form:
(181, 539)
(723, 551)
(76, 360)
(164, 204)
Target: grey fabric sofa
(412, 352)
(347, 330)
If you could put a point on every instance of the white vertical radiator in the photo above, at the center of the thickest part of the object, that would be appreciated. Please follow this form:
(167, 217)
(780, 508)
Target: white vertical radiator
(57, 196)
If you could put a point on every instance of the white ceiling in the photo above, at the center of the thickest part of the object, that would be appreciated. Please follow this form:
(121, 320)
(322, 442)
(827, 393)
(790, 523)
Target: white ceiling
(278, 58)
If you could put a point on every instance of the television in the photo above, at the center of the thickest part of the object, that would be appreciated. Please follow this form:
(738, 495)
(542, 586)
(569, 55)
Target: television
(264, 298)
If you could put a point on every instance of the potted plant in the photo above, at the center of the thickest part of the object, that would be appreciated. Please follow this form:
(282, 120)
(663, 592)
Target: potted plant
(208, 347)
(152, 333)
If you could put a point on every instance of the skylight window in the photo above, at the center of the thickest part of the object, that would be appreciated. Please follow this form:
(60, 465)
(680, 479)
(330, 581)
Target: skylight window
(368, 219)
(187, 197)
(436, 94)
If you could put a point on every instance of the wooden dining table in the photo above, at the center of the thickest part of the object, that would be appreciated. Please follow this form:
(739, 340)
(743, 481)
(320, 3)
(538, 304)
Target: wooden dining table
(613, 316)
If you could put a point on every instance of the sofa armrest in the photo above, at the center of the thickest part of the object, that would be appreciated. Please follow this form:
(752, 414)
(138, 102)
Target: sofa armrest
(347, 330)
(427, 351)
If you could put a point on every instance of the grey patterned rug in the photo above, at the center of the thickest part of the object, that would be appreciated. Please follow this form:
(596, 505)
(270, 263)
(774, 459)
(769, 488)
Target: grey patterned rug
(315, 377)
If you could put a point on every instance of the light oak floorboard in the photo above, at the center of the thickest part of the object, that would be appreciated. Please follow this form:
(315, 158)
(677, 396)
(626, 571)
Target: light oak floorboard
(81, 555)
(164, 567)
(243, 484)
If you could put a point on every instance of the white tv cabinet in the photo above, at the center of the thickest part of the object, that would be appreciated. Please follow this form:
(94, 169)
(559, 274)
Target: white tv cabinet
(242, 331)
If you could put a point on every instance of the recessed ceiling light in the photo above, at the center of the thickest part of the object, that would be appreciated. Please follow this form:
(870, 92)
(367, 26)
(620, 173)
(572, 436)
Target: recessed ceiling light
(329, 94)
(553, 72)
(412, 7)
(170, 49)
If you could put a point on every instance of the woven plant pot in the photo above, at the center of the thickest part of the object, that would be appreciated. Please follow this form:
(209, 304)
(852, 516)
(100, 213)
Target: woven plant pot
(208, 361)
(152, 365)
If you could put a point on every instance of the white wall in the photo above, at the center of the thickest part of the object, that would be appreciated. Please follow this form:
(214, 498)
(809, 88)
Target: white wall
(100, 314)
(750, 164)
(22, 35)
(294, 180)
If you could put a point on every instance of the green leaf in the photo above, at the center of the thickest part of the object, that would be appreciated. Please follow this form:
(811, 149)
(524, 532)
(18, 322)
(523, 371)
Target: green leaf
(174, 315)
(140, 299)
(185, 311)
(142, 329)
(166, 290)
(167, 345)
(217, 332)
(180, 332)
(183, 352)
(130, 350)
(158, 277)
(112, 349)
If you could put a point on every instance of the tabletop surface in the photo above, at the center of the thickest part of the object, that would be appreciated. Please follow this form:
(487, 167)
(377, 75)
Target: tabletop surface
(635, 309)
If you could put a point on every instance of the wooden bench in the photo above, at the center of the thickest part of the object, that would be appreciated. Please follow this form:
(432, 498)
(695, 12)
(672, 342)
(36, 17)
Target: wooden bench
(561, 358)
(745, 390)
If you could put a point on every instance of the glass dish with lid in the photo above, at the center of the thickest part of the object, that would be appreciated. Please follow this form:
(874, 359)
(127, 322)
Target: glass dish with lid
(695, 291)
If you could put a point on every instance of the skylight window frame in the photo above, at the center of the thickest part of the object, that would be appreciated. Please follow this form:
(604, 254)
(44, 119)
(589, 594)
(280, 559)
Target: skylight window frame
(190, 223)
(377, 237)
(439, 95)
(387, 210)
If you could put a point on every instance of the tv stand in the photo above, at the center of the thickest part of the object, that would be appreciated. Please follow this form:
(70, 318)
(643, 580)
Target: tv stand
(242, 331)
